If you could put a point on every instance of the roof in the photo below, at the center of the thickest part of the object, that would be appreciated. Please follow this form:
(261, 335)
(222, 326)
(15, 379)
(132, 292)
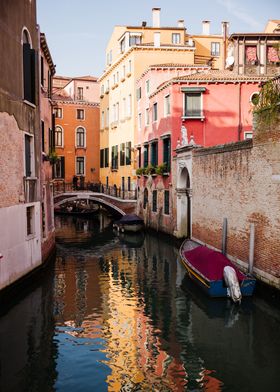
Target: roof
(262, 34)
(47, 53)
(176, 65)
(221, 76)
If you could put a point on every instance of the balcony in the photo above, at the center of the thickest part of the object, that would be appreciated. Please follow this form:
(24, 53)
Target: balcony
(30, 189)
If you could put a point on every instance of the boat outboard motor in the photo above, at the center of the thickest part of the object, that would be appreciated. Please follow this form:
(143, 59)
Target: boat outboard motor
(232, 284)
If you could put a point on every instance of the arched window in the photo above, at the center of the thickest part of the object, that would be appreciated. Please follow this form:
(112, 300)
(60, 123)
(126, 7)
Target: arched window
(29, 73)
(80, 137)
(146, 198)
(58, 136)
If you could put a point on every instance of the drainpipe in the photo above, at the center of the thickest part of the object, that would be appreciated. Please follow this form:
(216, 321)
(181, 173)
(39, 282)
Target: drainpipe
(252, 248)
(224, 238)
(239, 114)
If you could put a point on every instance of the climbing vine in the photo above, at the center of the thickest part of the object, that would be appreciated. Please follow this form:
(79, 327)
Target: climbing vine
(267, 108)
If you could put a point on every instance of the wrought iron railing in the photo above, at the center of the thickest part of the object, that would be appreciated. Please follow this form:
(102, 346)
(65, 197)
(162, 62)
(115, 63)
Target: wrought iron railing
(119, 192)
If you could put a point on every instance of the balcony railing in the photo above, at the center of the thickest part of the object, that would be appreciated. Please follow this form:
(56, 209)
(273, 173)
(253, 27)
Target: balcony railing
(30, 190)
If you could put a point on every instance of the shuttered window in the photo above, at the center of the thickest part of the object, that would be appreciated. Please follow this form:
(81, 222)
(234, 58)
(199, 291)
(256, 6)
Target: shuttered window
(128, 153)
(29, 73)
(154, 154)
(106, 159)
(166, 152)
(122, 154)
(154, 201)
(146, 156)
(166, 202)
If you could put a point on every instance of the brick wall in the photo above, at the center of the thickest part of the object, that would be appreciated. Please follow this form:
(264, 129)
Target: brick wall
(240, 182)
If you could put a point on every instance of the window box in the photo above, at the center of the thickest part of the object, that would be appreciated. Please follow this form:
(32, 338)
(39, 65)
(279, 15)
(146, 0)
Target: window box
(128, 74)
(122, 79)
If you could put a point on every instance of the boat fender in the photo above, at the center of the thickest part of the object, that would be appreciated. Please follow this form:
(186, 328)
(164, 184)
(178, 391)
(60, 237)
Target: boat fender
(232, 284)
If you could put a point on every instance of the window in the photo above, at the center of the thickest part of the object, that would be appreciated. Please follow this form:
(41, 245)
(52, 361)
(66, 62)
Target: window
(123, 71)
(124, 108)
(43, 135)
(251, 55)
(58, 112)
(139, 121)
(80, 114)
(80, 95)
(107, 182)
(128, 183)
(80, 137)
(42, 71)
(122, 45)
(134, 40)
(106, 158)
(129, 105)
(215, 48)
(110, 57)
(102, 158)
(154, 207)
(176, 38)
(128, 153)
(255, 97)
(30, 229)
(80, 166)
(138, 93)
(102, 120)
(29, 156)
(59, 168)
(117, 111)
(146, 198)
(147, 117)
(272, 56)
(122, 154)
(166, 202)
(58, 136)
(167, 153)
(154, 153)
(193, 104)
(155, 112)
(139, 156)
(167, 105)
(114, 155)
(107, 117)
(148, 87)
(122, 183)
(102, 89)
(146, 155)
(29, 73)
(129, 66)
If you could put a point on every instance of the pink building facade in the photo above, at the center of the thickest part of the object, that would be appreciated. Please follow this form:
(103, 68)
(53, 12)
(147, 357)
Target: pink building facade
(203, 108)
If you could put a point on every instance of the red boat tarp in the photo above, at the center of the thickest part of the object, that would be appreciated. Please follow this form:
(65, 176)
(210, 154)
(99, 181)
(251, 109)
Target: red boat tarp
(210, 263)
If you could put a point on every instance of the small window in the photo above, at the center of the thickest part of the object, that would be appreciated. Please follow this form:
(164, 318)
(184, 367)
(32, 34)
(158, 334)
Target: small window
(138, 93)
(139, 121)
(58, 112)
(215, 48)
(134, 40)
(80, 114)
(147, 117)
(166, 202)
(176, 38)
(128, 153)
(146, 155)
(122, 154)
(272, 55)
(148, 87)
(123, 183)
(30, 229)
(80, 166)
(155, 112)
(128, 183)
(154, 153)
(106, 158)
(102, 120)
(251, 57)
(102, 158)
(114, 157)
(80, 137)
(154, 201)
(146, 198)
(122, 45)
(80, 95)
(42, 71)
(58, 137)
(59, 168)
(167, 153)
(167, 105)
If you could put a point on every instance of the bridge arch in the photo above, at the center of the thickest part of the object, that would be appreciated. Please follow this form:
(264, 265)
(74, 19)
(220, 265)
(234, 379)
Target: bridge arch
(117, 206)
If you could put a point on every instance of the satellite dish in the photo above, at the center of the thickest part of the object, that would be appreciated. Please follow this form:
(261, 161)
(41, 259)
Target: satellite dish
(229, 61)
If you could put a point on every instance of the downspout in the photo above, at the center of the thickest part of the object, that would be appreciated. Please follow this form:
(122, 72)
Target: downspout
(239, 114)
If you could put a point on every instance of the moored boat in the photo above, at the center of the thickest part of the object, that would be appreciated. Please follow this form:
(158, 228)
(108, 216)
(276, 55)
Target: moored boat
(215, 273)
(129, 222)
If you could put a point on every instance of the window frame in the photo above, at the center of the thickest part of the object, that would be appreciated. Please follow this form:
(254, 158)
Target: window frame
(80, 111)
(176, 41)
(78, 160)
(214, 51)
(77, 133)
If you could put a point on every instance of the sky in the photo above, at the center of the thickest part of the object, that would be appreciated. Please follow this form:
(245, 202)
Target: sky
(78, 31)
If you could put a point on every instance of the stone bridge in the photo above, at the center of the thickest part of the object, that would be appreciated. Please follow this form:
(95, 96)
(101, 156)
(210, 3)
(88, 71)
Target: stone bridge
(113, 204)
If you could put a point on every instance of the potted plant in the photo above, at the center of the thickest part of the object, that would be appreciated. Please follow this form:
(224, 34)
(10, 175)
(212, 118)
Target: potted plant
(53, 157)
(162, 169)
(150, 170)
(140, 171)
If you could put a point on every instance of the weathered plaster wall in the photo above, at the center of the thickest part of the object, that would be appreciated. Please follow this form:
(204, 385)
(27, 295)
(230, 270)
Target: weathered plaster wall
(240, 182)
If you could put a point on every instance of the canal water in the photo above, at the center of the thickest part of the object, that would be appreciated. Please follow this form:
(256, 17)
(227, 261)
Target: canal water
(117, 313)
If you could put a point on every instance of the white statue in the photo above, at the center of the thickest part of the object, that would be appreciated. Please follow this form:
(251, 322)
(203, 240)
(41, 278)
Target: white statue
(184, 135)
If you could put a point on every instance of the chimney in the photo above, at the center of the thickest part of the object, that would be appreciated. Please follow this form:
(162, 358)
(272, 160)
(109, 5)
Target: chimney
(181, 23)
(206, 27)
(156, 17)
(144, 23)
(225, 29)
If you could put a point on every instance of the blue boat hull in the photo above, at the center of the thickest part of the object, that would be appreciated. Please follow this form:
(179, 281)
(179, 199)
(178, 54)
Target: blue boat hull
(217, 288)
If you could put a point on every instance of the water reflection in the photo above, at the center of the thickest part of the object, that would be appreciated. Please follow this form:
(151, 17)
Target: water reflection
(123, 316)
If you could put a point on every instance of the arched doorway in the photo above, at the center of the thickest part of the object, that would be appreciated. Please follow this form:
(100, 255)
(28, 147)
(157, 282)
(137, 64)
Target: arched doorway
(184, 203)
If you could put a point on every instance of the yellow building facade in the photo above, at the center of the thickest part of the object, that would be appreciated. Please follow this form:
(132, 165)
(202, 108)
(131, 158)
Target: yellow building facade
(130, 51)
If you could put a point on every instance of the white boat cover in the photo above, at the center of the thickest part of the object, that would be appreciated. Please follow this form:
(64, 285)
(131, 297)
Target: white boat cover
(232, 284)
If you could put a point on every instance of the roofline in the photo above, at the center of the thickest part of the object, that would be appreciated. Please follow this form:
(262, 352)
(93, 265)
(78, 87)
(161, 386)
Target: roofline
(47, 53)
(187, 66)
(254, 35)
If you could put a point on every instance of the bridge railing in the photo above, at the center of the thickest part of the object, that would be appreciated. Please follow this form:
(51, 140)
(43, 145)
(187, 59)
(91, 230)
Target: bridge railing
(124, 194)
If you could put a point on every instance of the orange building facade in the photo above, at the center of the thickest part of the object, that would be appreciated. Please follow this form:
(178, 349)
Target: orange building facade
(76, 112)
